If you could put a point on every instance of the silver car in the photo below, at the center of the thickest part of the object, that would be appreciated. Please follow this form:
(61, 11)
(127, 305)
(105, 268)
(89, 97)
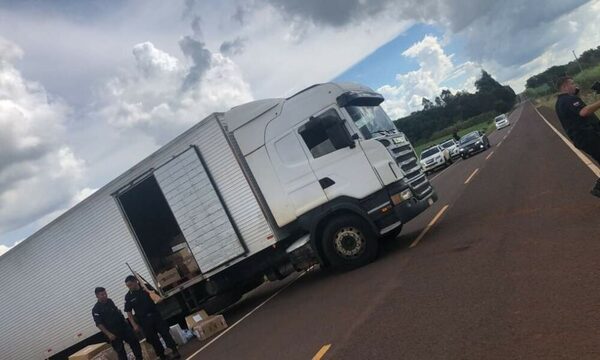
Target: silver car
(452, 147)
(435, 157)
(501, 121)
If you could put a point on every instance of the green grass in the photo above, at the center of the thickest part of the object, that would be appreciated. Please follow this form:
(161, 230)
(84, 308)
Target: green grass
(550, 100)
(546, 96)
(587, 77)
(487, 125)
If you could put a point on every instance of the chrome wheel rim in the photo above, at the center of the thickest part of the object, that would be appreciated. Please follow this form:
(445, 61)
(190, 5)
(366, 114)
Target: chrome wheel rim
(349, 242)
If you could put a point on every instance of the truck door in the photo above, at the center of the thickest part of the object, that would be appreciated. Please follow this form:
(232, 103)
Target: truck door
(294, 172)
(342, 171)
(199, 210)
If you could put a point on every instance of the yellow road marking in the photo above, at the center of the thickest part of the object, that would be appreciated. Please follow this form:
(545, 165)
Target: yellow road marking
(429, 226)
(577, 152)
(472, 175)
(490, 155)
(321, 352)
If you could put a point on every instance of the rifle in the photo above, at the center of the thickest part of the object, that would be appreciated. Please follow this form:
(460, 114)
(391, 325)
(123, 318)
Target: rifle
(154, 295)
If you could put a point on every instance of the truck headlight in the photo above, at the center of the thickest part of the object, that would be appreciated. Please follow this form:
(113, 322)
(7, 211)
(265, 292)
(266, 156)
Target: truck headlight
(401, 196)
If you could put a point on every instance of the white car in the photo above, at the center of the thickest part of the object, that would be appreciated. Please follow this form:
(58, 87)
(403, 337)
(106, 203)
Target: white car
(501, 121)
(434, 158)
(452, 147)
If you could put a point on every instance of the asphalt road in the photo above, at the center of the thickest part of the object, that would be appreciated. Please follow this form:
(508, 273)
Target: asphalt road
(508, 271)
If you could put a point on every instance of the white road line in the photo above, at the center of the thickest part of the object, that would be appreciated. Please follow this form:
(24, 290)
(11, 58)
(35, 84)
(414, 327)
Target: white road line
(245, 316)
(500, 143)
(505, 136)
(429, 226)
(577, 152)
(490, 155)
(472, 175)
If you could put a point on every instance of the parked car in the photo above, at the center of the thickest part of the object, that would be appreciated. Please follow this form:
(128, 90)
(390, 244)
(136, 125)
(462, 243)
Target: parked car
(501, 121)
(435, 157)
(473, 143)
(452, 146)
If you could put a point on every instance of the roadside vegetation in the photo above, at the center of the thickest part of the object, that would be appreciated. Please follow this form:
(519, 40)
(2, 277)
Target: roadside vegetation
(483, 122)
(541, 88)
(462, 110)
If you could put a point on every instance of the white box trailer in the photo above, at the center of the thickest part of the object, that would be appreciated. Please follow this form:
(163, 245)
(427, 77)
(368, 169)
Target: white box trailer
(48, 280)
(265, 189)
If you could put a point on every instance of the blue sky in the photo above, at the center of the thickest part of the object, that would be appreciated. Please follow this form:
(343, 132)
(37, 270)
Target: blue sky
(92, 87)
(381, 67)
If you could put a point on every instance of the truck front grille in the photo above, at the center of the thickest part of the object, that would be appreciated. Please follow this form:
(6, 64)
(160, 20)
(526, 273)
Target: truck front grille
(407, 160)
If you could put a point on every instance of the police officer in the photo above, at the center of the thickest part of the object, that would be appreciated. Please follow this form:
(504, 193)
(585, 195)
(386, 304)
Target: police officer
(150, 320)
(579, 121)
(110, 320)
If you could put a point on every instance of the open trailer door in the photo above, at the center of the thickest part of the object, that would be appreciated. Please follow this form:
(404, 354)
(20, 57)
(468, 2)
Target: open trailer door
(199, 210)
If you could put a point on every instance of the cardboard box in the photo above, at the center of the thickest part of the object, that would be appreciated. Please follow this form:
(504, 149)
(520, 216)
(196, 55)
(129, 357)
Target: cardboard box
(147, 350)
(88, 352)
(207, 328)
(178, 335)
(190, 267)
(168, 277)
(192, 320)
(108, 354)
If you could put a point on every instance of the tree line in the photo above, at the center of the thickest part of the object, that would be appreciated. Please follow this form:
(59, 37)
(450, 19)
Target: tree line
(449, 109)
(547, 78)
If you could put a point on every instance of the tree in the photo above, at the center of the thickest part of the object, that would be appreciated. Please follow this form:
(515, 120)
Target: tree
(427, 104)
(449, 109)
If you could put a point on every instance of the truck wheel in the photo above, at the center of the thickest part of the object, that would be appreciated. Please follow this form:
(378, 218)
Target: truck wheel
(349, 242)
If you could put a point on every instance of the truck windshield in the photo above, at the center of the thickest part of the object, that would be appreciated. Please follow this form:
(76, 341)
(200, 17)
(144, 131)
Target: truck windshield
(370, 120)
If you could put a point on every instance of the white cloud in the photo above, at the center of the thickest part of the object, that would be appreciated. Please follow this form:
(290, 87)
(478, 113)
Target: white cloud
(163, 96)
(38, 172)
(578, 30)
(435, 69)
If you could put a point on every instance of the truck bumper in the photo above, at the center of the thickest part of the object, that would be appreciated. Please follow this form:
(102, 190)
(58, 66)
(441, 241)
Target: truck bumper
(409, 209)
(389, 216)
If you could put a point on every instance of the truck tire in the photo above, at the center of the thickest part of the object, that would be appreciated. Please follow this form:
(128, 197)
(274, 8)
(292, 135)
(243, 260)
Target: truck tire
(349, 242)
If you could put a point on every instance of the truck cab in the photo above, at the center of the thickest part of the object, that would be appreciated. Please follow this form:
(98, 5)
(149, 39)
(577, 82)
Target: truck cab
(330, 164)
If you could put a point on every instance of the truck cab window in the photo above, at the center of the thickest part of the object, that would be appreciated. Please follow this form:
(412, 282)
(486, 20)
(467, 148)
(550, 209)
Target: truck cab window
(315, 134)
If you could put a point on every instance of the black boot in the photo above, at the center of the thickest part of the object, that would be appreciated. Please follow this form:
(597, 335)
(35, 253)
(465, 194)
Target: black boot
(596, 190)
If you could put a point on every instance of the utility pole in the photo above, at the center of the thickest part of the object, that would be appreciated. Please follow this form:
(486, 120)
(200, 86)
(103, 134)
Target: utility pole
(577, 60)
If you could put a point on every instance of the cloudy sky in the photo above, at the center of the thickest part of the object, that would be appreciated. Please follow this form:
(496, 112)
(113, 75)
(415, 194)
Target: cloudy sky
(88, 88)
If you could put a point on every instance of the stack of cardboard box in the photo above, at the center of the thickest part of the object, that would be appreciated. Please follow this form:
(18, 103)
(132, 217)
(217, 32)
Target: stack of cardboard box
(204, 325)
(102, 351)
(168, 277)
(185, 262)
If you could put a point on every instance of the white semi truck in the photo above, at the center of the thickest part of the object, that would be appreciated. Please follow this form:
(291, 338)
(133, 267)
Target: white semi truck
(265, 189)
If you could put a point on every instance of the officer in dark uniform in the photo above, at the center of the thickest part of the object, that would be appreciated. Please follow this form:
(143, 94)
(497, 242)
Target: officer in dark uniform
(110, 320)
(149, 318)
(579, 121)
